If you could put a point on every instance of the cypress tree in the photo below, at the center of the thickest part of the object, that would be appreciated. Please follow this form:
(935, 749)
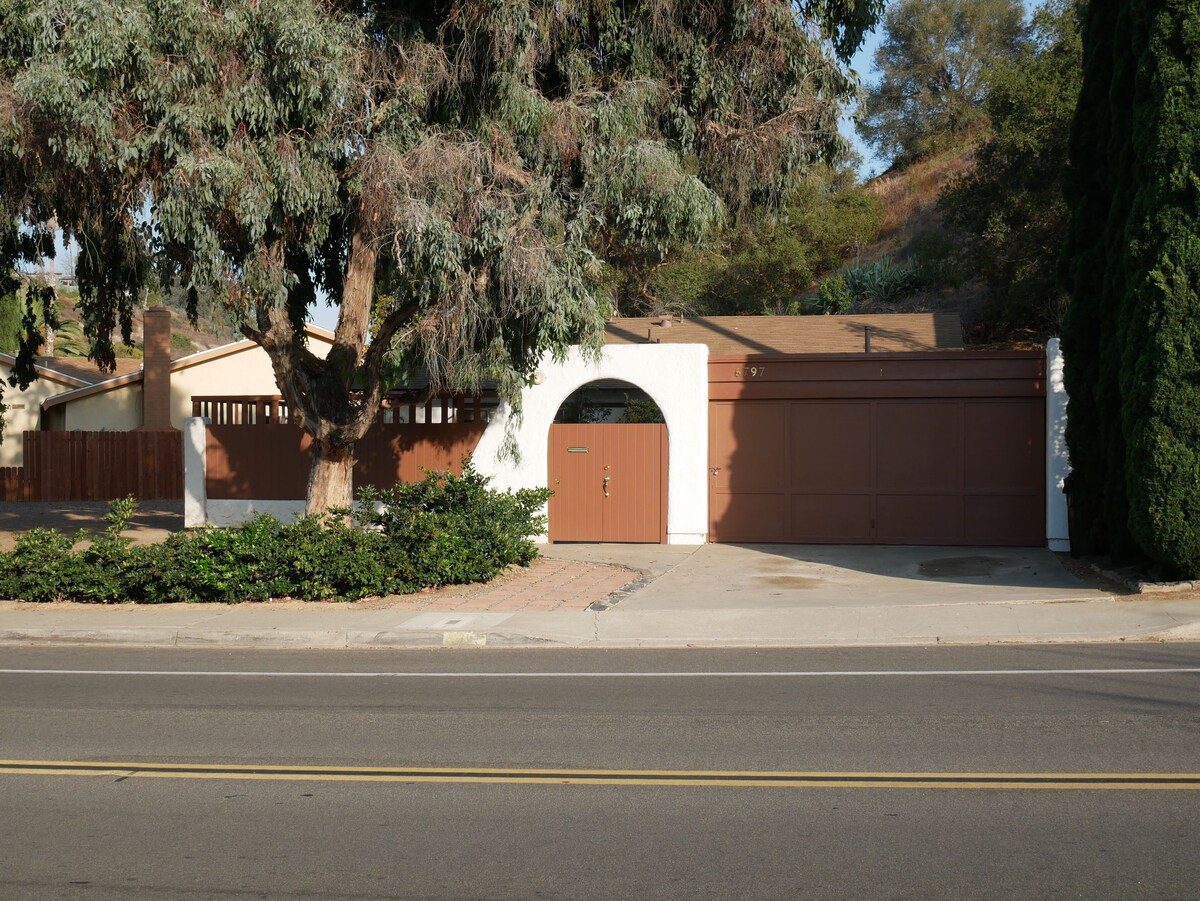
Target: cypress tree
(1087, 187)
(1161, 321)
(1113, 344)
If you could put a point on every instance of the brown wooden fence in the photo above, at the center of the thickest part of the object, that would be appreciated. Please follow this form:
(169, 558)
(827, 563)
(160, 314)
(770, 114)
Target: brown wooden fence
(15, 485)
(252, 455)
(96, 466)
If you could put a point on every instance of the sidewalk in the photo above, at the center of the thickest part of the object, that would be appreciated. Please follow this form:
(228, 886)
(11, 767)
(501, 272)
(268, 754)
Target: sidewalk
(653, 596)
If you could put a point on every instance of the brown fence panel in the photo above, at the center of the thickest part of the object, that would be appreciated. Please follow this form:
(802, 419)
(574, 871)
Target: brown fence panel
(15, 484)
(258, 462)
(271, 462)
(100, 466)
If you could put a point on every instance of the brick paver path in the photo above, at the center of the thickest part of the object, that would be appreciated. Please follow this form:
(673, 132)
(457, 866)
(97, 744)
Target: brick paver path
(545, 585)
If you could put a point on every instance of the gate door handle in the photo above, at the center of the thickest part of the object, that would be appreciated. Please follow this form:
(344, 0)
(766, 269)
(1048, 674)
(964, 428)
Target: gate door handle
(607, 479)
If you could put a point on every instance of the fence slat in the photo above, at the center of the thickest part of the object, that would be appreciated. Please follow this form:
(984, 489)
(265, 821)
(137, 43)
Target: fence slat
(96, 466)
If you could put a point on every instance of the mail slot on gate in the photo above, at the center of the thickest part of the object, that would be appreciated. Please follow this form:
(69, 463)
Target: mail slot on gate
(577, 450)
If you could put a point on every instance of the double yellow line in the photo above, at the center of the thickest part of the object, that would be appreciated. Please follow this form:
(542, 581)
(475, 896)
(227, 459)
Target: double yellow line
(512, 776)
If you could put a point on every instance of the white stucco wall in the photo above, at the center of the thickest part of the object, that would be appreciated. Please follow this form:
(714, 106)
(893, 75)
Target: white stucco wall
(1058, 464)
(674, 375)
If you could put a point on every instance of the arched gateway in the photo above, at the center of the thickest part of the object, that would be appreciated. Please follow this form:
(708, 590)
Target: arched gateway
(672, 378)
(607, 464)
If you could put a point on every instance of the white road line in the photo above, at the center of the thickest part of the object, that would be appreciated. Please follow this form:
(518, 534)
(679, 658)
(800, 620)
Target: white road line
(758, 674)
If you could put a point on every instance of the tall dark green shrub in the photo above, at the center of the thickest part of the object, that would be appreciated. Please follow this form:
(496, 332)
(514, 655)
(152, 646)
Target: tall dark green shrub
(1161, 314)
(1087, 186)
(1133, 266)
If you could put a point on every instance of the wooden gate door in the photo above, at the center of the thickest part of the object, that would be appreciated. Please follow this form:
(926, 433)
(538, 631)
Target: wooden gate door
(609, 482)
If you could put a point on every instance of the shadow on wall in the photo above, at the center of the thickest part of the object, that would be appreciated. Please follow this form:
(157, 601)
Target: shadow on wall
(881, 450)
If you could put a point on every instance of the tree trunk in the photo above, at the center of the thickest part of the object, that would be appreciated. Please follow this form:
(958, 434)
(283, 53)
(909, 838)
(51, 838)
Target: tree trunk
(330, 477)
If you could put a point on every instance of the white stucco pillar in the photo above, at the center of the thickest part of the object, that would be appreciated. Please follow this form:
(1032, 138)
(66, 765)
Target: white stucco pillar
(1058, 464)
(674, 375)
(194, 495)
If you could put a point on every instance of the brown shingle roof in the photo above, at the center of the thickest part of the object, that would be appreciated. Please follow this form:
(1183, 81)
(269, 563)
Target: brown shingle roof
(740, 335)
(86, 370)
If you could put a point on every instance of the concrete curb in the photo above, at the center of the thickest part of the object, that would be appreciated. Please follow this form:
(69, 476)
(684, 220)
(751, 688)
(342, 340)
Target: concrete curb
(406, 639)
(269, 638)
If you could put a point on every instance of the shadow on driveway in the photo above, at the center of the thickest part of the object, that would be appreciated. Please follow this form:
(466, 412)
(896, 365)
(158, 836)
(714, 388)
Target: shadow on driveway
(153, 521)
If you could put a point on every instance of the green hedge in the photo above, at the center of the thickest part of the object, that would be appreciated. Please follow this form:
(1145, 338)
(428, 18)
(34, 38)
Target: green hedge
(442, 530)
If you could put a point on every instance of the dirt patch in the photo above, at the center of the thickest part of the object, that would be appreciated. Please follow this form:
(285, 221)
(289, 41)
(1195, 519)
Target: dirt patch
(797, 582)
(962, 567)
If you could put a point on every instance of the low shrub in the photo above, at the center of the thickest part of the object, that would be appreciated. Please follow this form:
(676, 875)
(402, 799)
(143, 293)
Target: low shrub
(444, 529)
(455, 529)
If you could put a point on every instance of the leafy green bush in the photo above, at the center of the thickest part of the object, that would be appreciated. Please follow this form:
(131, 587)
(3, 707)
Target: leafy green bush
(444, 529)
(833, 295)
(454, 529)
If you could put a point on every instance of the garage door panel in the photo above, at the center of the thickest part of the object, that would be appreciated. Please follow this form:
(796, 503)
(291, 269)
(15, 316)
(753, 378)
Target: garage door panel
(919, 446)
(750, 447)
(830, 447)
(871, 450)
(1003, 520)
(749, 517)
(1004, 445)
(831, 517)
(919, 518)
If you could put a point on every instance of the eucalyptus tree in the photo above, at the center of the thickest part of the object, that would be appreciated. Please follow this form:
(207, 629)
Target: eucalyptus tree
(934, 61)
(450, 173)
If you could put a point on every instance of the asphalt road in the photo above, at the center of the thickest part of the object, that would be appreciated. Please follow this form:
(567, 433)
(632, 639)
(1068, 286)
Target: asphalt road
(575, 774)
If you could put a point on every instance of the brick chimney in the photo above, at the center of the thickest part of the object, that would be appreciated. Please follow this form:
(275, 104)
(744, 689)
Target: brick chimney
(156, 369)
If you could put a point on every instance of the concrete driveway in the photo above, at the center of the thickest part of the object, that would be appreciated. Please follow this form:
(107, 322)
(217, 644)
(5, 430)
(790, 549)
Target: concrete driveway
(724, 576)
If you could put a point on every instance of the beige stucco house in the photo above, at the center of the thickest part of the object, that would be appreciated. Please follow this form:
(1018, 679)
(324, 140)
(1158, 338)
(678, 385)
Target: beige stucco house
(72, 394)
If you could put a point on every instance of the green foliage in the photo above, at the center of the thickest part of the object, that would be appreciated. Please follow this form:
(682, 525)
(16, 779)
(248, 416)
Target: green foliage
(882, 282)
(452, 174)
(10, 322)
(454, 529)
(180, 341)
(41, 567)
(1160, 314)
(769, 264)
(1011, 203)
(833, 295)
(581, 407)
(934, 62)
(683, 285)
(442, 530)
(641, 409)
(316, 558)
(1133, 266)
(765, 265)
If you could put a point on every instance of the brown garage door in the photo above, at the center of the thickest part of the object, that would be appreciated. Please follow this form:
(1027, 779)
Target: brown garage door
(941, 448)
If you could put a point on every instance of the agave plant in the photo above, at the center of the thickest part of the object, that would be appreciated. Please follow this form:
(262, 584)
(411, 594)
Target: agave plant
(884, 281)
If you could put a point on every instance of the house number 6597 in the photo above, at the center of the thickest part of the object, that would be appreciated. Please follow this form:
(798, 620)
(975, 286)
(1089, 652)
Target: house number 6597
(750, 372)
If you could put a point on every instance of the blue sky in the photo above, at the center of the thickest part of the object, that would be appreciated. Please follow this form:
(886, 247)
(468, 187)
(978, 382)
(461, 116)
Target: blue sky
(862, 65)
